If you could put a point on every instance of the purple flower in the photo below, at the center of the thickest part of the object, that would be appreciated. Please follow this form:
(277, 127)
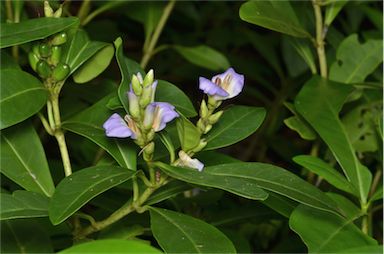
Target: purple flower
(186, 161)
(118, 127)
(223, 86)
(158, 114)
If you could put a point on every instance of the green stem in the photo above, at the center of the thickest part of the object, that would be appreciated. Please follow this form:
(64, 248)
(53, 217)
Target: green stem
(46, 125)
(148, 51)
(59, 135)
(320, 39)
(100, 10)
(135, 189)
(84, 10)
(8, 6)
(375, 182)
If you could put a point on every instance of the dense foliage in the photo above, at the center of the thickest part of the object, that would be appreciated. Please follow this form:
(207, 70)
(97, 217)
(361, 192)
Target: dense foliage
(191, 127)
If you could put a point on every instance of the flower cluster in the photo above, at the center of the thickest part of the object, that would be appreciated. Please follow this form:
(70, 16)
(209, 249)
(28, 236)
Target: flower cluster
(145, 116)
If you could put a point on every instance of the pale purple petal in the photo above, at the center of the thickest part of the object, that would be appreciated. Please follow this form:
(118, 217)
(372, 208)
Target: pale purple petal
(210, 88)
(154, 85)
(116, 127)
(163, 113)
(186, 161)
(231, 81)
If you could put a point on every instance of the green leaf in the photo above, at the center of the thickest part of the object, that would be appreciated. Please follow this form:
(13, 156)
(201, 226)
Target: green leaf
(77, 189)
(80, 49)
(127, 69)
(7, 61)
(378, 194)
(298, 124)
(32, 29)
(235, 124)
(168, 191)
(303, 48)
(204, 56)
(246, 178)
(180, 233)
(356, 61)
(167, 92)
(324, 170)
(95, 65)
(349, 209)
(21, 96)
(24, 236)
(29, 170)
(89, 122)
(319, 102)
(23, 204)
(332, 10)
(371, 249)
(242, 187)
(112, 246)
(189, 135)
(277, 16)
(324, 232)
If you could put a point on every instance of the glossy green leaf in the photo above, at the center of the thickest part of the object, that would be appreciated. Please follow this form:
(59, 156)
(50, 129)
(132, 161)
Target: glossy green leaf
(378, 194)
(303, 48)
(29, 170)
(89, 123)
(168, 191)
(355, 61)
(112, 246)
(23, 204)
(242, 187)
(204, 56)
(325, 170)
(235, 124)
(180, 233)
(127, 69)
(21, 96)
(77, 189)
(301, 127)
(332, 10)
(319, 102)
(244, 178)
(277, 16)
(7, 61)
(189, 135)
(280, 204)
(348, 208)
(324, 232)
(24, 236)
(32, 29)
(95, 65)
(80, 49)
(371, 249)
(168, 92)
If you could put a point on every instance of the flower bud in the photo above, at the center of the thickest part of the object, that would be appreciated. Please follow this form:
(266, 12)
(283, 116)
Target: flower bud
(48, 11)
(215, 117)
(200, 124)
(60, 72)
(148, 151)
(207, 128)
(59, 39)
(43, 69)
(56, 55)
(134, 108)
(44, 50)
(33, 60)
(151, 135)
(146, 96)
(200, 146)
(136, 86)
(58, 12)
(148, 80)
(203, 109)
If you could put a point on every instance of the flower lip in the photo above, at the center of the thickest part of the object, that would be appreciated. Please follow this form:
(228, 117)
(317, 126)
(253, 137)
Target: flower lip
(158, 114)
(116, 127)
(223, 86)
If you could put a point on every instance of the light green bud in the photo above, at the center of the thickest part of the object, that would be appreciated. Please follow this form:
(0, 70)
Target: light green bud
(48, 11)
(203, 109)
(58, 12)
(59, 39)
(43, 69)
(200, 124)
(33, 60)
(151, 135)
(60, 72)
(146, 96)
(215, 117)
(136, 86)
(148, 151)
(148, 80)
(56, 55)
(134, 108)
(207, 128)
(200, 146)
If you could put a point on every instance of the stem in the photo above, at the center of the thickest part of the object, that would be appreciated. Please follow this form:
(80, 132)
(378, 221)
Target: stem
(45, 123)
(148, 51)
(8, 6)
(102, 9)
(59, 135)
(135, 189)
(320, 39)
(84, 10)
(375, 182)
